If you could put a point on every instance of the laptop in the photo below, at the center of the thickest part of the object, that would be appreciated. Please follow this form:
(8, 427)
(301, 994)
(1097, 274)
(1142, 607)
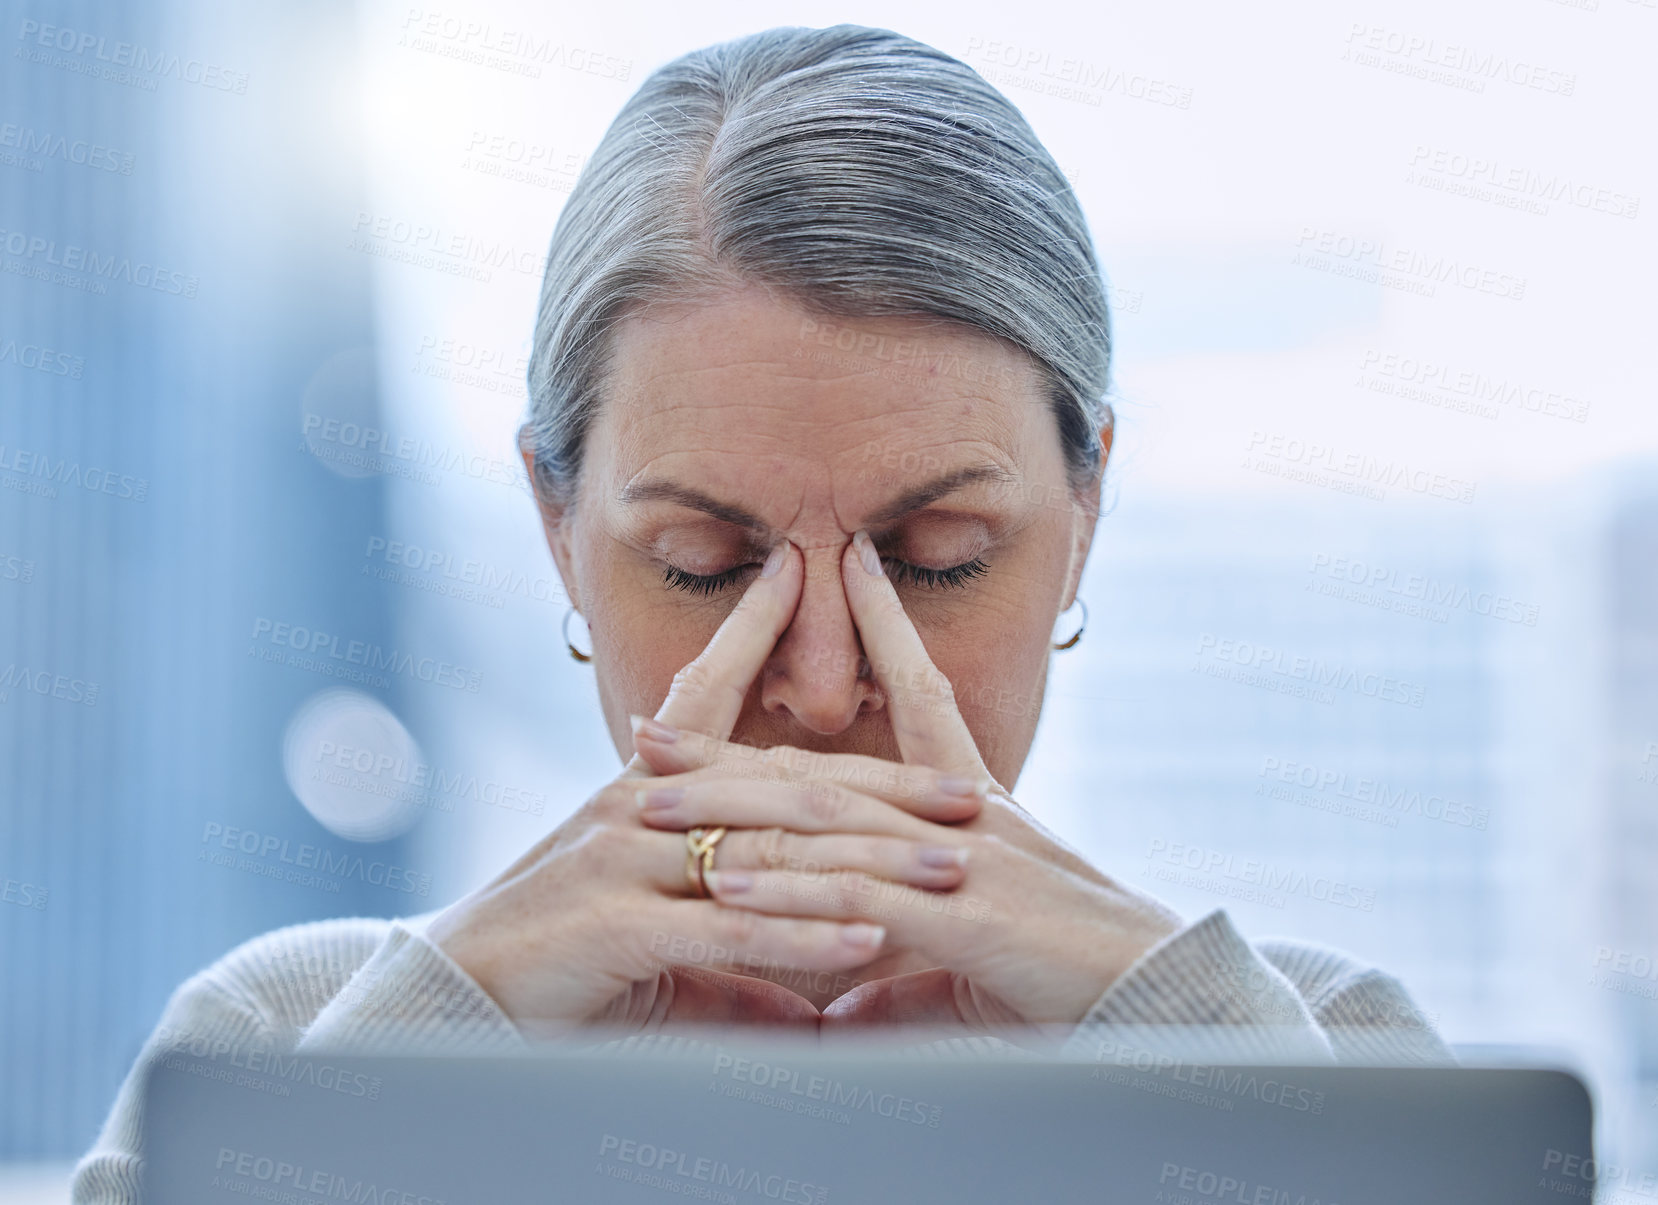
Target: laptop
(739, 1120)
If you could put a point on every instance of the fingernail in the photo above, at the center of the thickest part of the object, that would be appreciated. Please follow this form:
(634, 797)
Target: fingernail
(731, 881)
(659, 797)
(942, 855)
(867, 553)
(774, 561)
(962, 786)
(863, 935)
(654, 729)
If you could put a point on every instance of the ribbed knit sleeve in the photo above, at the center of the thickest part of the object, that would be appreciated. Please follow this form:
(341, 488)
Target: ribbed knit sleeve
(253, 1000)
(1207, 992)
(354, 983)
(1367, 1015)
(412, 996)
(198, 1013)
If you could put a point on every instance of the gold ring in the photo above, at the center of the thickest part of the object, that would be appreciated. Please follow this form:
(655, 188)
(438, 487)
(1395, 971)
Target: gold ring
(699, 857)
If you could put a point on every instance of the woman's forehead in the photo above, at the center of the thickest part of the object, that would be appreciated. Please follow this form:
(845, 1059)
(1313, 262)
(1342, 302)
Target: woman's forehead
(969, 480)
(749, 376)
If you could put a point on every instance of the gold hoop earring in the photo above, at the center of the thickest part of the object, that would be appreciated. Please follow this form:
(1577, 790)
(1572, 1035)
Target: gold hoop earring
(1071, 643)
(584, 658)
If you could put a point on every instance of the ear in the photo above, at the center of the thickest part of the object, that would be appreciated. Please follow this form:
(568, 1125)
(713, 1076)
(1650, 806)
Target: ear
(555, 522)
(1085, 517)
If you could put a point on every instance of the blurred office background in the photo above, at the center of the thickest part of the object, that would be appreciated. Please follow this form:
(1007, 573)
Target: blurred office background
(269, 276)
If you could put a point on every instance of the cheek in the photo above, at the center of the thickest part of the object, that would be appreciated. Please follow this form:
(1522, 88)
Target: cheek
(642, 639)
(995, 656)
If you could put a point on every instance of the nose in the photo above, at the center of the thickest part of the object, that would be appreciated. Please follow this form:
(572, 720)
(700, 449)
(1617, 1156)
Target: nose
(817, 673)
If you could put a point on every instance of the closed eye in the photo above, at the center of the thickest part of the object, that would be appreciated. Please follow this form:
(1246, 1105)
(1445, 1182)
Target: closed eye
(955, 577)
(901, 572)
(699, 583)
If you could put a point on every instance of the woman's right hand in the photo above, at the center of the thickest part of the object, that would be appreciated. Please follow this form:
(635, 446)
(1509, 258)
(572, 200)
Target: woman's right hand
(597, 923)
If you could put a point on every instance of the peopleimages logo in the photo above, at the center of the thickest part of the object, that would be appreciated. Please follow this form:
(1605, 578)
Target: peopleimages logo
(1420, 588)
(50, 474)
(1229, 1083)
(1597, 1177)
(1199, 1184)
(1368, 791)
(787, 1080)
(1262, 659)
(71, 257)
(302, 857)
(466, 571)
(1625, 972)
(381, 451)
(1524, 182)
(1420, 51)
(42, 359)
(273, 1174)
(432, 246)
(694, 1171)
(490, 369)
(153, 63)
(24, 895)
(16, 569)
(1479, 390)
(423, 782)
(526, 154)
(319, 650)
(1069, 78)
(264, 1059)
(522, 51)
(1381, 261)
(694, 955)
(26, 141)
(1213, 865)
(1369, 470)
(44, 682)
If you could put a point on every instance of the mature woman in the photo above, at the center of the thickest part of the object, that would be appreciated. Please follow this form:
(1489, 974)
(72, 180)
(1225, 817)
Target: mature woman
(817, 431)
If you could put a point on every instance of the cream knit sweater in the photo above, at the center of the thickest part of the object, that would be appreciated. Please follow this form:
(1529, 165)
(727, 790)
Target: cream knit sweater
(363, 983)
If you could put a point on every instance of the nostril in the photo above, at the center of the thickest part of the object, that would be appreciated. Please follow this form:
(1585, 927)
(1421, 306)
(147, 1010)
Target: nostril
(825, 698)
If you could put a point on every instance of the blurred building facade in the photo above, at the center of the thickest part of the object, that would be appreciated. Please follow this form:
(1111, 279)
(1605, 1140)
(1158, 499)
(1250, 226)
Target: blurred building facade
(157, 502)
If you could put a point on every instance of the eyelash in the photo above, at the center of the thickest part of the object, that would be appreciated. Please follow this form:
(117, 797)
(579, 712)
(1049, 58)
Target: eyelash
(955, 577)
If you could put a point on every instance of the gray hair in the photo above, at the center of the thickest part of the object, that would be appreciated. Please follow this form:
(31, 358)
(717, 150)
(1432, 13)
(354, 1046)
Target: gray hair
(859, 172)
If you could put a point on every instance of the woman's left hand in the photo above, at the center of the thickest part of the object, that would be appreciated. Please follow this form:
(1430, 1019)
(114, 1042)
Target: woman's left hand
(1033, 935)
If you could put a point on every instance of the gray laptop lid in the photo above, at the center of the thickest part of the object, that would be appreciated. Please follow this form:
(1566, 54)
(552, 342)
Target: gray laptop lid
(745, 1121)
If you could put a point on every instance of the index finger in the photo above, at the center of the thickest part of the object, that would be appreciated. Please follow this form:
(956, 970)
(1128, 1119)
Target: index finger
(707, 694)
(920, 700)
(921, 790)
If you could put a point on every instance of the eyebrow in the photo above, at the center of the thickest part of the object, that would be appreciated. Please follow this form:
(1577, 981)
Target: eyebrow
(911, 500)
